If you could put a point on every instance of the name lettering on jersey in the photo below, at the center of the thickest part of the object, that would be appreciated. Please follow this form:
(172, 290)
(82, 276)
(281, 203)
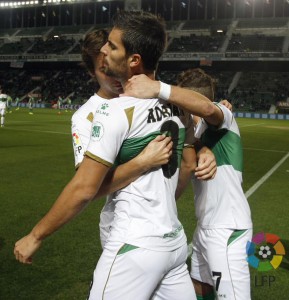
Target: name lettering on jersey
(157, 113)
(97, 131)
(102, 109)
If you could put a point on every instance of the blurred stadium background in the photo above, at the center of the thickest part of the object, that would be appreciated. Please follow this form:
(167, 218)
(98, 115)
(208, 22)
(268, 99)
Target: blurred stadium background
(242, 43)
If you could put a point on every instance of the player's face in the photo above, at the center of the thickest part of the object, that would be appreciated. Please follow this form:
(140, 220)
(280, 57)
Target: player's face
(116, 63)
(109, 87)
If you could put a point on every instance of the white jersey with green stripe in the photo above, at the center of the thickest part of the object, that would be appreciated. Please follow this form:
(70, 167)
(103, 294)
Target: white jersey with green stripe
(220, 202)
(145, 211)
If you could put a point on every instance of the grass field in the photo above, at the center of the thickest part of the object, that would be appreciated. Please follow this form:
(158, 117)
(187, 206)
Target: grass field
(37, 162)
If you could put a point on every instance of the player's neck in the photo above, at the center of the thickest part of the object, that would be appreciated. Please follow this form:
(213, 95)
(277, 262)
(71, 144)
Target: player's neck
(106, 94)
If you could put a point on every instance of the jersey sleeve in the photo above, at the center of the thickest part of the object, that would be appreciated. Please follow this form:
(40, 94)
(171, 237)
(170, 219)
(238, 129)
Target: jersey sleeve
(226, 124)
(228, 117)
(80, 139)
(109, 129)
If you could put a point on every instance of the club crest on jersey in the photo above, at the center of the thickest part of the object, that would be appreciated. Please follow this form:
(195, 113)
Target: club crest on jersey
(102, 109)
(97, 131)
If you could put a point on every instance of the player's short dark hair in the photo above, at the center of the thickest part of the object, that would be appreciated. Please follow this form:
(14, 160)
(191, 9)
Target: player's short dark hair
(199, 81)
(143, 34)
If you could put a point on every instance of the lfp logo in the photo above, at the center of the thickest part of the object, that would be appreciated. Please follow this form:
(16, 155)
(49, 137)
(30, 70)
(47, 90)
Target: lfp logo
(265, 251)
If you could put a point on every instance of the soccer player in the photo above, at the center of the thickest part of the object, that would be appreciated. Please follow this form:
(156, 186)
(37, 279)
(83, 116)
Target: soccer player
(3, 106)
(31, 103)
(82, 121)
(17, 103)
(59, 104)
(145, 254)
(9, 104)
(68, 105)
(219, 266)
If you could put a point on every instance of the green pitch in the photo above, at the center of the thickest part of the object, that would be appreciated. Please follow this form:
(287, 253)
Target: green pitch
(36, 163)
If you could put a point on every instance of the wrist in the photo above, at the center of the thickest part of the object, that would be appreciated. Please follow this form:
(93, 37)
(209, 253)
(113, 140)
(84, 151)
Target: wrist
(165, 91)
(198, 145)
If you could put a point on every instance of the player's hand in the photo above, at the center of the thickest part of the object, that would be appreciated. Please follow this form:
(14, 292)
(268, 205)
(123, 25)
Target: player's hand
(156, 153)
(141, 86)
(207, 166)
(227, 104)
(25, 248)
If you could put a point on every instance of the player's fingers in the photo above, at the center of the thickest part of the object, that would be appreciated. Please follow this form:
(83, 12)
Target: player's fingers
(159, 138)
(206, 175)
(170, 145)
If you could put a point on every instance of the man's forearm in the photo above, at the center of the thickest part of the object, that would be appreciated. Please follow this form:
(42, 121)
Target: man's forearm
(188, 165)
(120, 177)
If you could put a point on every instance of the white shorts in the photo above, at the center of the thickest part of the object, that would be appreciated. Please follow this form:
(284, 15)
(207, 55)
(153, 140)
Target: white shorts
(219, 258)
(2, 108)
(125, 272)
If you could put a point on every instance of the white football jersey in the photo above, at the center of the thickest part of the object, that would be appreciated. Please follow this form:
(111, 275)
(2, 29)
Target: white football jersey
(3, 101)
(220, 202)
(145, 211)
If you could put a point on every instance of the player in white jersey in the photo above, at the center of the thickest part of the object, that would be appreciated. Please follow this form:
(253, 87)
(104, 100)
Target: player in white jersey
(82, 118)
(82, 122)
(31, 103)
(3, 106)
(59, 104)
(154, 266)
(224, 219)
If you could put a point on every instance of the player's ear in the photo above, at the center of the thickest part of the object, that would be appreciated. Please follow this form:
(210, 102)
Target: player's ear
(134, 60)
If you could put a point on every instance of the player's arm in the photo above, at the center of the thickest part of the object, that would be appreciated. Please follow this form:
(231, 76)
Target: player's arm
(188, 165)
(207, 165)
(72, 200)
(156, 153)
(142, 86)
(198, 159)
